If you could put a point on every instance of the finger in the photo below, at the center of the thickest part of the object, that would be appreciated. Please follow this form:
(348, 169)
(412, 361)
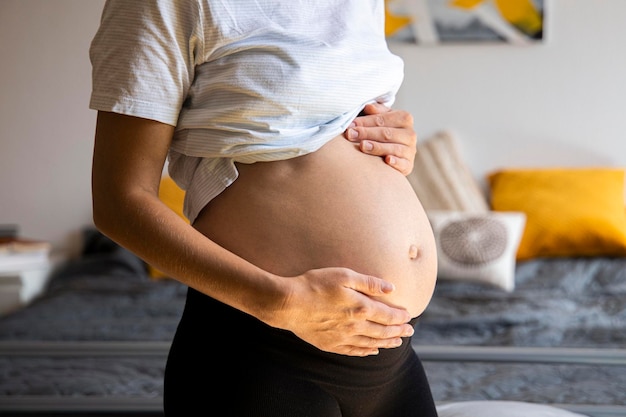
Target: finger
(405, 166)
(392, 118)
(374, 311)
(369, 285)
(385, 315)
(370, 344)
(398, 156)
(382, 336)
(399, 150)
(368, 347)
(385, 134)
(375, 108)
(382, 134)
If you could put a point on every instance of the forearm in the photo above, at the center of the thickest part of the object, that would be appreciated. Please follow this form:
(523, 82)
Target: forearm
(129, 155)
(148, 228)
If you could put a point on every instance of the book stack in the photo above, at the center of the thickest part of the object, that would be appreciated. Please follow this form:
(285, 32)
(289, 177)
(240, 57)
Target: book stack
(24, 268)
(20, 253)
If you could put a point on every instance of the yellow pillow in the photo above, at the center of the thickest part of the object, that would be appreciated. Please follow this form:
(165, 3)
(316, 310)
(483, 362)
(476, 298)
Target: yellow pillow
(173, 197)
(569, 211)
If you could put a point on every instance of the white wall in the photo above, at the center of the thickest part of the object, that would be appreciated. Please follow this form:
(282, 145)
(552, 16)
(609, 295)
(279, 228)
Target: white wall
(46, 128)
(561, 103)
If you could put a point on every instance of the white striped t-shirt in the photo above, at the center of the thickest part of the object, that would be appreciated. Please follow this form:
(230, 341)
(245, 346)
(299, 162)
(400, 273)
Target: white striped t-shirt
(242, 80)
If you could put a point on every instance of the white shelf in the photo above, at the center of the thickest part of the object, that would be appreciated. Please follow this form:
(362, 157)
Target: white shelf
(20, 286)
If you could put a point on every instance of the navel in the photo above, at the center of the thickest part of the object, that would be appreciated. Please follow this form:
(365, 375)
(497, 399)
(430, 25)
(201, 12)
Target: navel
(413, 252)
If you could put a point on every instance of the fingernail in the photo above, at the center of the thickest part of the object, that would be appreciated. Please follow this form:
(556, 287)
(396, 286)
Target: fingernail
(367, 146)
(353, 134)
(392, 160)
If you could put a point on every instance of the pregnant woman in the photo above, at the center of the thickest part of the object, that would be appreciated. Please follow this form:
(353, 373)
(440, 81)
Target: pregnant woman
(306, 257)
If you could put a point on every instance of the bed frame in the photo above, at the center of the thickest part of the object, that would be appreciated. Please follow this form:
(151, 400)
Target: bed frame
(428, 353)
(535, 356)
(113, 286)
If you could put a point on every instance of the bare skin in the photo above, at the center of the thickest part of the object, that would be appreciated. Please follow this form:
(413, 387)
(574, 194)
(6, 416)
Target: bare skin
(342, 306)
(323, 209)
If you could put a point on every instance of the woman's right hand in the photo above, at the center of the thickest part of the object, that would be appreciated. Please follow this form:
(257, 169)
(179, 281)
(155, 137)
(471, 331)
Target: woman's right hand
(334, 310)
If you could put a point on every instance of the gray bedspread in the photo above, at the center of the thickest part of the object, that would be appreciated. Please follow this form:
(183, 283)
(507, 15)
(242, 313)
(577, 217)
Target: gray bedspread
(107, 296)
(572, 303)
(568, 302)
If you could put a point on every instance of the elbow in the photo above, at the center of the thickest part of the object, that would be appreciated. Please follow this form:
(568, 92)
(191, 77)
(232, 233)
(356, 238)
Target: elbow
(117, 213)
(101, 217)
(98, 220)
(106, 211)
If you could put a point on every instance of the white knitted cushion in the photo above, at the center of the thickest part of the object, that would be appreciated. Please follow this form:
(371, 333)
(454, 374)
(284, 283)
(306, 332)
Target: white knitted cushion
(477, 247)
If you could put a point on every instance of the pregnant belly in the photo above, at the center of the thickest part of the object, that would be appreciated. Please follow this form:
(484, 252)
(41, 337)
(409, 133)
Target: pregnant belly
(334, 207)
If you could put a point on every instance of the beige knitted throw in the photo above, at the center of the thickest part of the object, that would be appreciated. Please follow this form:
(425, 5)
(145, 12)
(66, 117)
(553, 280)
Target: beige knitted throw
(442, 180)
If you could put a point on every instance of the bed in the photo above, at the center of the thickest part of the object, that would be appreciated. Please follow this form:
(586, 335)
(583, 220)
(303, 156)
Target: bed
(97, 340)
(559, 338)
(529, 307)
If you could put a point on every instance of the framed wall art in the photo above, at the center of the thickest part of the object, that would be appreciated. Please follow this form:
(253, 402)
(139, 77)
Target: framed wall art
(434, 22)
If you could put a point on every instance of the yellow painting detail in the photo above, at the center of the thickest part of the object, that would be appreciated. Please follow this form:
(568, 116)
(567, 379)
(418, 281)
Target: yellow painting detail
(466, 4)
(394, 22)
(431, 22)
(520, 13)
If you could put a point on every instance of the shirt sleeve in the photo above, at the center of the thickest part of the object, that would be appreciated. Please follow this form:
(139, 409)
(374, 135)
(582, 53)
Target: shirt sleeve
(143, 57)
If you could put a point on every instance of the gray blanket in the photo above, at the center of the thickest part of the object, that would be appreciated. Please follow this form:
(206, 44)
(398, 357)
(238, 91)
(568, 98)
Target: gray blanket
(575, 303)
(569, 302)
(107, 296)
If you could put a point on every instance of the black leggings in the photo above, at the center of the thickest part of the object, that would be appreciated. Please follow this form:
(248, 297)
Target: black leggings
(226, 363)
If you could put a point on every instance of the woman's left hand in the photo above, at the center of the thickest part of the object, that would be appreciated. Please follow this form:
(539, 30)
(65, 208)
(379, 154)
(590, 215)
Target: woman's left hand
(387, 133)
